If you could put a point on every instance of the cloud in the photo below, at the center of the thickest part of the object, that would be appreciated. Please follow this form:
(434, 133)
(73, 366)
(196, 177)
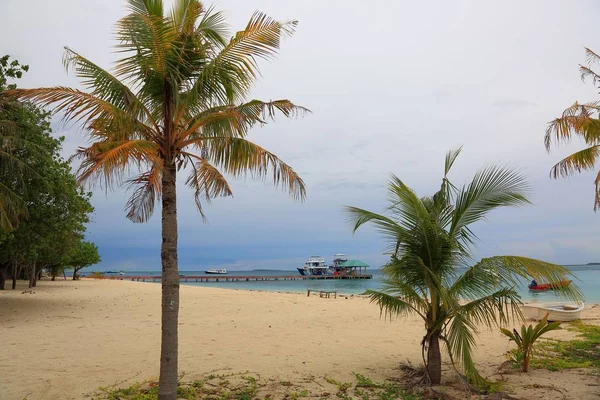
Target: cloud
(391, 97)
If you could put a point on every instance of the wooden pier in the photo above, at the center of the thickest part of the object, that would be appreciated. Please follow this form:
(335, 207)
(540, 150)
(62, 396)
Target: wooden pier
(238, 278)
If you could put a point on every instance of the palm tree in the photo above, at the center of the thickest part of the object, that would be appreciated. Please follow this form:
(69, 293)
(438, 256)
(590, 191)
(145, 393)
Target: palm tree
(581, 120)
(430, 243)
(177, 98)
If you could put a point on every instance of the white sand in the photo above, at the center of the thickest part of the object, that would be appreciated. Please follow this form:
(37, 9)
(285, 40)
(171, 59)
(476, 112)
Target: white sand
(71, 337)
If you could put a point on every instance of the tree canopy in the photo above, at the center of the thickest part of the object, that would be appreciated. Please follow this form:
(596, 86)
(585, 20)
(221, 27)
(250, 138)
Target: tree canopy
(54, 208)
(580, 120)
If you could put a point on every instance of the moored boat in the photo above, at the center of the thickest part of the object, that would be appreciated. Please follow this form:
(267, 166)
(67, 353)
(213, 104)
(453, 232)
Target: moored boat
(215, 271)
(557, 311)
(549, 286)
(315, 265)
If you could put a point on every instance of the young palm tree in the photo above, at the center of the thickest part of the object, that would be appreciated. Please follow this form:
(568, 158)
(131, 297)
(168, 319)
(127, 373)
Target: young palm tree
(430, 243)
(581, 120)
(176, 99)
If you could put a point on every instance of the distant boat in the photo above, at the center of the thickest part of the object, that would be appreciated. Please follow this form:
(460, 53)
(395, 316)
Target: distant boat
(315, 265)
(215, 271)
(121, 273)
(558, 311)
(540, 287)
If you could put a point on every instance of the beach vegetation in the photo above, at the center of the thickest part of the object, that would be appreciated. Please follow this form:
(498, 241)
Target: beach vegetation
(15, 117)
(249, 387)
(525, 340)
(177, 99)
(55, 209)
(580, 120)
(82, 256)
(431, 272)
(583, 351)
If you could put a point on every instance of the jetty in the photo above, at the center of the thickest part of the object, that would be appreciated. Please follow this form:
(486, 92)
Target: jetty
(240, 278)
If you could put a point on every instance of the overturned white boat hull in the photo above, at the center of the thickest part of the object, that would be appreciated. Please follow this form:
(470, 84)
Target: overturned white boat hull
(558, 311)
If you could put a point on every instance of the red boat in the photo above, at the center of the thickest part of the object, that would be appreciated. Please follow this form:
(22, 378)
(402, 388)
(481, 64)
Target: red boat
(549, 286)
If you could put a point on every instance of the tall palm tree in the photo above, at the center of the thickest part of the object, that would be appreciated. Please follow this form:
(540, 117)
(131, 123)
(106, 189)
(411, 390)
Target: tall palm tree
(582, 120)
(431, 242)
(177, 98)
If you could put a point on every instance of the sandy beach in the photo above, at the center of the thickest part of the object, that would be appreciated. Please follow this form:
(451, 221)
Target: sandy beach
(68, 338)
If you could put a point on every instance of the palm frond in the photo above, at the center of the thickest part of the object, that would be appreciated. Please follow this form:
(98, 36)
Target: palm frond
(109, 160)
(235, 121)
(207, 183)
(579, 161)
(148, 39)
(148, 189)
(577, 120)
(229, 75)
(356, 217)
(460, 339)
(491, 188)
(498, 308)
(212, 26)
(451, 157)
(97, 115)
(391, 306)
(239, 157)
(591, 56)
(514, 271)
(106, 87)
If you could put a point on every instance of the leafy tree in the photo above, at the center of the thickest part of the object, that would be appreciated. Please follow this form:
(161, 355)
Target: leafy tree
(583, 121)
(15, 117)
(84, 255)
(56, 207)
(177, 99)
(58, 212)
(430, 240)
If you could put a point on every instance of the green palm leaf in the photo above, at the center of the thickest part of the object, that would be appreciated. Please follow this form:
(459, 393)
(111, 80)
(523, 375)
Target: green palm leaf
(430, 240)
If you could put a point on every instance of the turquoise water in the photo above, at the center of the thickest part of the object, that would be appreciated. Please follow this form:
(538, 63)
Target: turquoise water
(586, 277)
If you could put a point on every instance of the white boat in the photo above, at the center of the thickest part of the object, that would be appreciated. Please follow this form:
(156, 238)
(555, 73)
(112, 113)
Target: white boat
(315, 265)
(557, 311)
(215, 271)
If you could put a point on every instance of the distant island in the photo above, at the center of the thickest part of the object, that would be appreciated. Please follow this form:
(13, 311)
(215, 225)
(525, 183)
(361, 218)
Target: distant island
(593, 263)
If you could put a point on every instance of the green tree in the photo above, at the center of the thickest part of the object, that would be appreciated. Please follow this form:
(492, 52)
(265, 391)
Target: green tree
(58, 209)
(583, 121)
(15, 117)
(84, 255)
(177, 98)
(430, 240)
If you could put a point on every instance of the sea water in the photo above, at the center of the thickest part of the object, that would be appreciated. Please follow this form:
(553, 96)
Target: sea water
(587, 278)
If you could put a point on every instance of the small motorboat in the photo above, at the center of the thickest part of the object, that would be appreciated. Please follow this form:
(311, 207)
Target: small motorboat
(215, 271)
(540, 287)
(558, 311)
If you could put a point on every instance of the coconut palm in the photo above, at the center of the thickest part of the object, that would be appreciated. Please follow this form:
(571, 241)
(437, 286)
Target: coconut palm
(177, 98)
(431, 241)
(582, 120)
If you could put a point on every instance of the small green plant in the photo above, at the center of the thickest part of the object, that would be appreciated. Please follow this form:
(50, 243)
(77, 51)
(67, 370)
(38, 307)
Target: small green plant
(580, 352)
(526, 339)
(97, 275)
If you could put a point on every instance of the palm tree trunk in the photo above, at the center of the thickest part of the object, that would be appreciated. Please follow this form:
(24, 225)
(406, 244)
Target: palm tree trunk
(170, 287)
(434, 359)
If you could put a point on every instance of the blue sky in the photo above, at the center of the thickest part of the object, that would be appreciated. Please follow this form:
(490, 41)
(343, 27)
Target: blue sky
(392, 87)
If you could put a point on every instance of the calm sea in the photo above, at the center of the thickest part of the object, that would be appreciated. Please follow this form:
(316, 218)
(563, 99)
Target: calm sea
(586, 277)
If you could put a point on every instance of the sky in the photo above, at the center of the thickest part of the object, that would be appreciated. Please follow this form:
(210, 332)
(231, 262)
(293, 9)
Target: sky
(392, 86)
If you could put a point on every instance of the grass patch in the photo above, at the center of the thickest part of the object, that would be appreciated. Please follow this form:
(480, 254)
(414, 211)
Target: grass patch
(251, 387)
(580, 352)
